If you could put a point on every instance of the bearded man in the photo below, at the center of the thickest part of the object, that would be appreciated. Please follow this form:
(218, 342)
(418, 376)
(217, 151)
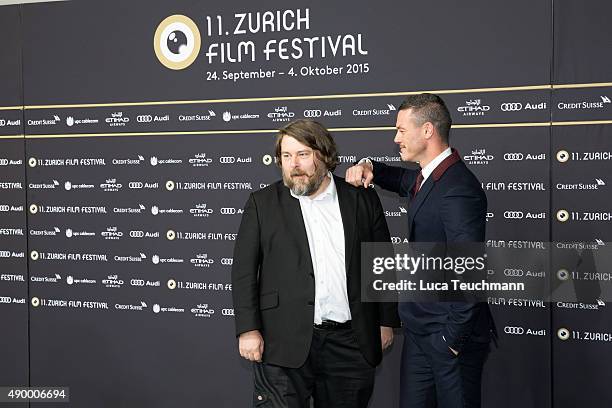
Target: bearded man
(296, 280)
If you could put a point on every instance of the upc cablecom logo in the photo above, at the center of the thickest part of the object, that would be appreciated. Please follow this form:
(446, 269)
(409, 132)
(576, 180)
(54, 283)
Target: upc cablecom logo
(177, 42)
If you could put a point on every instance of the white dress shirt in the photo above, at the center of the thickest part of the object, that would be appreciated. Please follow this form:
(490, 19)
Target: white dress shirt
(325, 233)
(431, 166)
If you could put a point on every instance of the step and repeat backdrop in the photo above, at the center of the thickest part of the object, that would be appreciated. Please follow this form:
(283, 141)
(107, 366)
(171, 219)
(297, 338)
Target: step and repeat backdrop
(131, 134)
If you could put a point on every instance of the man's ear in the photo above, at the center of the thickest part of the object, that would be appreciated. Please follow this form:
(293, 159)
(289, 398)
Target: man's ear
(428, 127)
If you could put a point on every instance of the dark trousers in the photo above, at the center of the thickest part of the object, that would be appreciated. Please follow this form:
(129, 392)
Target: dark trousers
(433, 377)
(335, 374)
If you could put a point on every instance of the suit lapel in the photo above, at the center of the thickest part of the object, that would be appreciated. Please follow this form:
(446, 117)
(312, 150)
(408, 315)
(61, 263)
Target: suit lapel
(418, 200)
(293, 219)
(438, 172)
(348, 211)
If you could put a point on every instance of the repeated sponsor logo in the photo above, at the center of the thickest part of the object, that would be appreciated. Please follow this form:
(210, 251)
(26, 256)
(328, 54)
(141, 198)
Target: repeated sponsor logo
(111, 185)
(152, 118)
(145, 283)
(473, 107)
(235, 160)
(129, 161)
(68, 186)
(230, 211)
(228, 116)
(155, 210)
(202, 310)
(201, 210)
(374, 111)
(8, 122)
(139, 185)
(227, 261)
(117, 119)
(11, 208)
(11, 162)
(514, 330)
(400, 211)
(44, 122)
(596, 185)
(478, 157)
(165, 161)
(202, 261)
(205, 117)
(519, 106)
(584, 105)
(200, 160)
(281, 114)
(111, 233)
(71, 121)
(112, 281)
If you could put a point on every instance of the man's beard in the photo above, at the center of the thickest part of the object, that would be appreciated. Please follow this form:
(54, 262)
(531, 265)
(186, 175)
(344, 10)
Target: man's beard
(311, 185)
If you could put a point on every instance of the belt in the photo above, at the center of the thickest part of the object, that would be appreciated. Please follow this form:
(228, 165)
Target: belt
(331, 325)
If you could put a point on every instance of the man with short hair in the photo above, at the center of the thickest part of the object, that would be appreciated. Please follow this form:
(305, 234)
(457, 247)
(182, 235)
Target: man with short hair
(296, 280)
(445, 343)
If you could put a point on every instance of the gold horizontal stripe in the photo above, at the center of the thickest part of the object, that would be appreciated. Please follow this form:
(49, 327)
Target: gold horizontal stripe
(11, 107)
(501, 125)
(583, 122)
(12, 137)
(589, 85)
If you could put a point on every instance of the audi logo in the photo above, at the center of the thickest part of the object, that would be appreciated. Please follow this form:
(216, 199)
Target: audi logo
(5, 254)
(4, 208)
(2, 122)
(396, 240)
(511, 107)
(5, 299)
(227, 312)
(227, 261)
(136, 184)
(227, 211)
(490, 215)
(136, 234)
(513, 156)
(144, 118)
(312, 113)
(137, 282)
(227, 160)
(513, 215)
(4, 162)
(514, 330)
(513, 272)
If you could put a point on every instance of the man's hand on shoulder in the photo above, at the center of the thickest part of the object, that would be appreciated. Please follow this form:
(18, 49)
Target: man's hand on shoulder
(360, 174)
(251, 345)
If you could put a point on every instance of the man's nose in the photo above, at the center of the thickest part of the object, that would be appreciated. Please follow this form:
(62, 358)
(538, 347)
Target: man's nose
(295, 162)
(397, 139)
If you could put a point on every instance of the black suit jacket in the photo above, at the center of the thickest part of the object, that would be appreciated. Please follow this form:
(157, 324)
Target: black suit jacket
(273, 284)
(450, 207)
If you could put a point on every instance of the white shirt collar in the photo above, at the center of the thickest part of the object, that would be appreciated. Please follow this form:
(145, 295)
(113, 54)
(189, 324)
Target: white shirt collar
(431, 166)
(330, 191)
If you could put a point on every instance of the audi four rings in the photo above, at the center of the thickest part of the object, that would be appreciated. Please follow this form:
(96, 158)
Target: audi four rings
(511, 106)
